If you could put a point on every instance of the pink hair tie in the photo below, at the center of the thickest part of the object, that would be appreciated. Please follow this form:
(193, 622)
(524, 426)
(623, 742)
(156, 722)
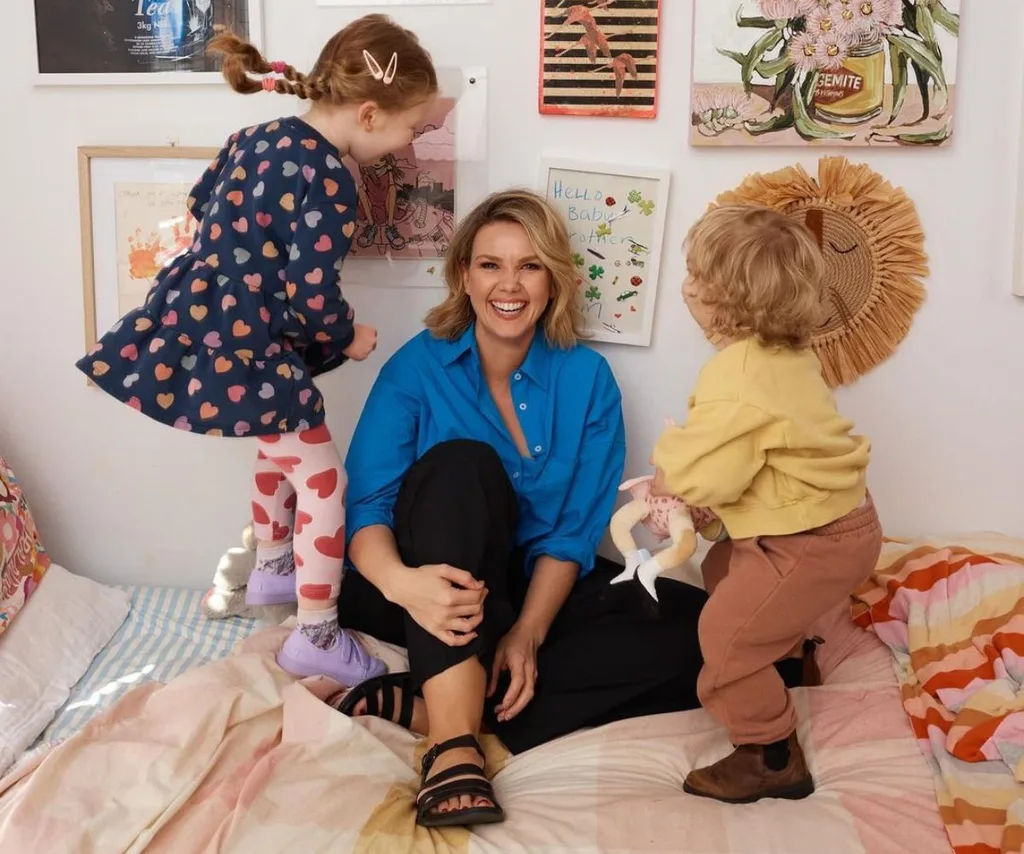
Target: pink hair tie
(278, 67)
(269, 84)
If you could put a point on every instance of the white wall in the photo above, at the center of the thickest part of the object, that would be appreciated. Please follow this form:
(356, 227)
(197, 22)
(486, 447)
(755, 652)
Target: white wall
(121, 498)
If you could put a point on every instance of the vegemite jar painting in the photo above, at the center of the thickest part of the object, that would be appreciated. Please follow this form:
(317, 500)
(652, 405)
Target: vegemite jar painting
(125, 41)
(824, 72)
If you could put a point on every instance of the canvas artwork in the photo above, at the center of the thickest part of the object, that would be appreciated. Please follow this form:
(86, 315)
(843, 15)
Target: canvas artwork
(616, 220)
(407, 199)
(152, 228)
(600, 58)
(824, 72)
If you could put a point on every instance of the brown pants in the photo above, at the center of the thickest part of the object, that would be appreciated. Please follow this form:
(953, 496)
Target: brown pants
(765, 592)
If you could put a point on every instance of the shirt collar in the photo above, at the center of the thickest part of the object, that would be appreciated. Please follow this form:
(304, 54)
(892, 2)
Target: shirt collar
(536, 365)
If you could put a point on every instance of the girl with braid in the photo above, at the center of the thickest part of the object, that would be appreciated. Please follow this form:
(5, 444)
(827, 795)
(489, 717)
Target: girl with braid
(234, 329)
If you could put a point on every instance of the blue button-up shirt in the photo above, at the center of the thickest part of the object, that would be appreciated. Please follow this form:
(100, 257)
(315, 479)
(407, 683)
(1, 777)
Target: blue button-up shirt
(570, 410)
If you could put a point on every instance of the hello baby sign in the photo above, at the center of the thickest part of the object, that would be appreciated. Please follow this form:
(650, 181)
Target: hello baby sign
(616, 221)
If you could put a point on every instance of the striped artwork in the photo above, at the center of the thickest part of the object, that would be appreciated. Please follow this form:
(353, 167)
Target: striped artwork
(952, 613)
(600, 58)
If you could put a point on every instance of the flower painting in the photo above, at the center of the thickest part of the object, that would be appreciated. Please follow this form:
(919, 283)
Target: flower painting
(824, 72)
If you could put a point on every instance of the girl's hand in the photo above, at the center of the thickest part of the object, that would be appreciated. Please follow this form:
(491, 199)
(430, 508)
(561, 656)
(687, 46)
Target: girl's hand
(364, 343)
(516, 653)
(446, 601)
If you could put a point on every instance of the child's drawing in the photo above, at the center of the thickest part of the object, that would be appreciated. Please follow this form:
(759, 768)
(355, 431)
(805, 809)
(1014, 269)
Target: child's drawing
(833, 72)
(153, 227)
(616, 220)
(407, 199)
(600, 58)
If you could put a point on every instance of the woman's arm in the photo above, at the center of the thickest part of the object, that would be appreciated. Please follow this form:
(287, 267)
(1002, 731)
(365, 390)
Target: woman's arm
(590, 497)
(444, 600)
(550, 585)
(374, 553)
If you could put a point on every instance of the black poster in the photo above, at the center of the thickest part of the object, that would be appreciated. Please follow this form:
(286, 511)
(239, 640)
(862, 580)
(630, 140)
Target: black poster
(132, 36)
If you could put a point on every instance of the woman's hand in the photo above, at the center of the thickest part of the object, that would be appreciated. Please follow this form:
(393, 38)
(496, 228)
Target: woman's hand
(516, 653)
(448, 602)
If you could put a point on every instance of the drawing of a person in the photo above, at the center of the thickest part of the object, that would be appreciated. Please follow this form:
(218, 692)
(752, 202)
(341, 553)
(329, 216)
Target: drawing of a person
(386, 173)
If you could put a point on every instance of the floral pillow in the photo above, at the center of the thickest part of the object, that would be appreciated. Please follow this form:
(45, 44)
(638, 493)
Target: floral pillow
(23, 560)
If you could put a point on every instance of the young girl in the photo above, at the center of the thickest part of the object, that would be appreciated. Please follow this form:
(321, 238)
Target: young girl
(233, 330)
(765, 449)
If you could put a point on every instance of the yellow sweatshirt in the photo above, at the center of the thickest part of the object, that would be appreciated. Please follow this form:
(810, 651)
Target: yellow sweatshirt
(763, 444)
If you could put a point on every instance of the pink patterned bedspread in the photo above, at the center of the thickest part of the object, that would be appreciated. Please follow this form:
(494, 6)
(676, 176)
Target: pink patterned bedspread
(237, 757)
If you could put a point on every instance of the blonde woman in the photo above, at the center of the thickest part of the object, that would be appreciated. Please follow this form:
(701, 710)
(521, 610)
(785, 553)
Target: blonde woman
(482, 475)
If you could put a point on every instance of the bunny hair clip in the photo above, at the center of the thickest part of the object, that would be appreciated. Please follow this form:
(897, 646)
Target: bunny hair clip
(385, 76)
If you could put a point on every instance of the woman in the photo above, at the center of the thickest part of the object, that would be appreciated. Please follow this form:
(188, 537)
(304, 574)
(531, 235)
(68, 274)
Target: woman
(482, 476)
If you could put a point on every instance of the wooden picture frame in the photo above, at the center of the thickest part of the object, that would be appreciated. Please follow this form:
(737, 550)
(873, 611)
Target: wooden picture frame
(599, 61)
(616, 218)
(119, 189)
(129, 43)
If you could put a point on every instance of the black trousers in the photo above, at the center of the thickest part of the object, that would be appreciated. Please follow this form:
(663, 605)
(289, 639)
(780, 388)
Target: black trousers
(606, 657)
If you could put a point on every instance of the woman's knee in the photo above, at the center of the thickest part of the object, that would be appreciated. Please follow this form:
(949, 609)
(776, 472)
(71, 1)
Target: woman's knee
(462, 453)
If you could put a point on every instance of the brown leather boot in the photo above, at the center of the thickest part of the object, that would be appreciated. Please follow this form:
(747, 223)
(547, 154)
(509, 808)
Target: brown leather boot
(811, 673)
(743, 777)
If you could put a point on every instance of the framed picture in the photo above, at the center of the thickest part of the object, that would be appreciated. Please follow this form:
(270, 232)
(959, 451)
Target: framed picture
(799, 72)
(409, 201)
(134, 221)
(616, 220)
(404, 2)
(136, 41)
(599, 58)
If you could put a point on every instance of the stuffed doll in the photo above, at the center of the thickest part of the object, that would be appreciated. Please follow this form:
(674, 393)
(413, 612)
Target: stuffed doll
(668, 518)
(227, 596)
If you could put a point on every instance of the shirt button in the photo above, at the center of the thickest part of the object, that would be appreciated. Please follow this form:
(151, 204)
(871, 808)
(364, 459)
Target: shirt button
(517, 376)
(522, 407)
(515, 475)
(537, 449)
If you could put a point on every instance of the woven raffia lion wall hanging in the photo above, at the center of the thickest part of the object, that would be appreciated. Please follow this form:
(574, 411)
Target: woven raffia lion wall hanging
(873, 244)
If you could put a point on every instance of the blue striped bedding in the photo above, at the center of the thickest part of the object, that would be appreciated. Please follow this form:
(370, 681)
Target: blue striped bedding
(164, 634)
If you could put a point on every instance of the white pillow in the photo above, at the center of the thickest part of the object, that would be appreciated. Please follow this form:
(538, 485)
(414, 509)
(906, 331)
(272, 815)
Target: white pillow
(62, 627)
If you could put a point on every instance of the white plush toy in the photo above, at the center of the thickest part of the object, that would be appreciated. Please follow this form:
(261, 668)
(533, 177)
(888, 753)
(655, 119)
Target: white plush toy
(227, 596)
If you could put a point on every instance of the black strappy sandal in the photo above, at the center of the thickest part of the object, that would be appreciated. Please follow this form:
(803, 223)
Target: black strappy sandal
(384, 685)
(435, 790)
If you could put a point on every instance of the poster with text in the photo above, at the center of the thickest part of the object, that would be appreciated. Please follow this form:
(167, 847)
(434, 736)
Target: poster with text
(152, 228)
(823, 72)
(616, 221)
(125, 41)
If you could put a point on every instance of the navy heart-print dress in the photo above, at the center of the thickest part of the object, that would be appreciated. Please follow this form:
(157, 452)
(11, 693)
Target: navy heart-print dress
(233, 330)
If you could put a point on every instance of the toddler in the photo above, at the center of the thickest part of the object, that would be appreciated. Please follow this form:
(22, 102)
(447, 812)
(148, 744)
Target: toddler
(764, 448)
(233, 330)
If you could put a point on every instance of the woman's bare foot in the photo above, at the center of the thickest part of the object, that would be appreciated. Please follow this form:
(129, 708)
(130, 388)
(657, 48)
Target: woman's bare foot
(449, 759)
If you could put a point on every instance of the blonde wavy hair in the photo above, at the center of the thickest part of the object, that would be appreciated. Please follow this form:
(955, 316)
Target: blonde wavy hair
(562, 320)
(342, 74)
(759, 272)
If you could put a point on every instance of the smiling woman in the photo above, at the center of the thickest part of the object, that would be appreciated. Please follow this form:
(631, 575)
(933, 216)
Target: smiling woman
(482, 475)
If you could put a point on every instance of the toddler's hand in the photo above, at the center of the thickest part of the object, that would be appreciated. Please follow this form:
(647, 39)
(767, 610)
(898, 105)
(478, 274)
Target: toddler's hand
(364, 343)
(658, 486)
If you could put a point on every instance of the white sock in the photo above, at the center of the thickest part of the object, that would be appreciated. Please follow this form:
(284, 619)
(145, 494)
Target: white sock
(320, 627)
(276, 559)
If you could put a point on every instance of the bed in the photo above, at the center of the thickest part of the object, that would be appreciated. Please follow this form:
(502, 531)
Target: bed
(164, 634)
(237, 754)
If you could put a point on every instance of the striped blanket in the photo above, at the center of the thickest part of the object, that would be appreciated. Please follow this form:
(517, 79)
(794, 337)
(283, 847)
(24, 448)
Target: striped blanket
(953, 617)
